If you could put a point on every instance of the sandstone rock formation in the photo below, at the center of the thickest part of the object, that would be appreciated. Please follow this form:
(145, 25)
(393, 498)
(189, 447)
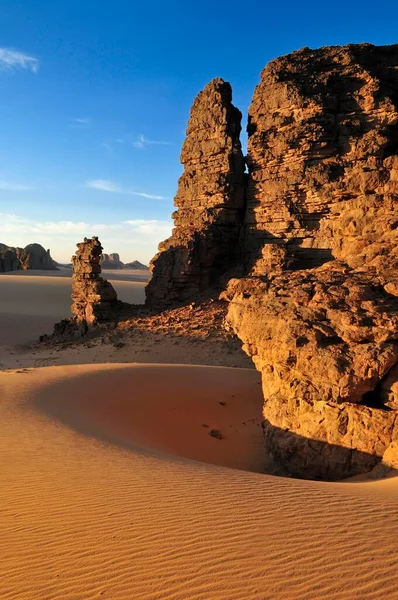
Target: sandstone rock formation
(314, 228)
(323, 188)
(111, 261)
(33, 256)
(210, 201)
(323, 156)
(324, 340)
(94, 298)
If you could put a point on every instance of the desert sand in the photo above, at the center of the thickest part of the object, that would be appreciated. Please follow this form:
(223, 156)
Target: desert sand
(32, 301)
(112, 486)
(108, 491)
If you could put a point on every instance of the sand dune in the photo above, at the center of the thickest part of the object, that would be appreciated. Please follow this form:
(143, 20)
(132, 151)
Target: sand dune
(100, 497)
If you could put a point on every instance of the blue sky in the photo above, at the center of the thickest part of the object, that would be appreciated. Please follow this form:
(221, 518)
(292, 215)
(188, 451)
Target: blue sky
(95, 96)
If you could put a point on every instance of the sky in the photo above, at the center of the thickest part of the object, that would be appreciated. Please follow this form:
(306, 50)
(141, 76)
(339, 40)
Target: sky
(95, 98)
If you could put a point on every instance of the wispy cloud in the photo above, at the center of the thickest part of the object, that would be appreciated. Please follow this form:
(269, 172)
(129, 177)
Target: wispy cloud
(105, 185)
(14, 187)
(11, 59)
(80, 122)
(143, 142)
(110, 146)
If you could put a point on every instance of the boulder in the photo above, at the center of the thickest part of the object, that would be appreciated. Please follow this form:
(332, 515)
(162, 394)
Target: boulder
(325, 342)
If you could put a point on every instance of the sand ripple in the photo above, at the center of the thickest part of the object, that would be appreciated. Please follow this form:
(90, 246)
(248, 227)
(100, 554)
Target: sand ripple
(95, 505)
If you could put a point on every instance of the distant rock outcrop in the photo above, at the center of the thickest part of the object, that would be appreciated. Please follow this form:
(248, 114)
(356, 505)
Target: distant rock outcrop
(210, 201)
(33, 256)
(315, 232)
(93, 297)
(111, 261)
(136, 264)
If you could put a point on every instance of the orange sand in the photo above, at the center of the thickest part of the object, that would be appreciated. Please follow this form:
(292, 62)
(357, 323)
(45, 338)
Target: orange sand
(99, 497)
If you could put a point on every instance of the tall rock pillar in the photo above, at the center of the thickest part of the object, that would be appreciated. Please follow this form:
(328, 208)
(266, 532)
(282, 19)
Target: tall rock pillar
(93, 297)
(210, 202)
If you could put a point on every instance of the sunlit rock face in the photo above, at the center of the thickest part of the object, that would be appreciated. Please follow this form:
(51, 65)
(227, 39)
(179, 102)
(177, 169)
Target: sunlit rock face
(319, 314)
(312, 227)
(323, 157)
(209, 201)
(325, 342)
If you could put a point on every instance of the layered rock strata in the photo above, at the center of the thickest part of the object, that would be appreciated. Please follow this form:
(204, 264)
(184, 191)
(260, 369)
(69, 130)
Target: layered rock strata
(323, 190)
(318, 242)
(323, 156)
(210, 202)
(325, 342)
(33, 256)
(94, 298)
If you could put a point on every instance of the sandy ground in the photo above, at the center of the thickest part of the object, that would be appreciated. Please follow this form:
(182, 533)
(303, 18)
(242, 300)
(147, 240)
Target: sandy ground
(32, 301)
(111, 485)
(102, 495)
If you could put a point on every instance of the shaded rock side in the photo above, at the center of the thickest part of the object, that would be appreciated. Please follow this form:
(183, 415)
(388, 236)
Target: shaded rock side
(33, 256)
(94, 298)
(323, 158)
(210, 202)
(326, 343)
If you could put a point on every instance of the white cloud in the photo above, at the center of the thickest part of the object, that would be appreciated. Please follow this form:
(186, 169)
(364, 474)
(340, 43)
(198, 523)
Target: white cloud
(150, 226)
(14, 187)
(105, 185)
(143, 142)
(80, 122)
(11, 59)
(133, 239)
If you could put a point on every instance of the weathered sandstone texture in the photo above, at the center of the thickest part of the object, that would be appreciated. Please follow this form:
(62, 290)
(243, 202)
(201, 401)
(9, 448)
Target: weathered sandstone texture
(312, 228)
(325, 342)
(33, 256)
(210, 202)
(323, 156)
(93, 297)
(319, 313)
